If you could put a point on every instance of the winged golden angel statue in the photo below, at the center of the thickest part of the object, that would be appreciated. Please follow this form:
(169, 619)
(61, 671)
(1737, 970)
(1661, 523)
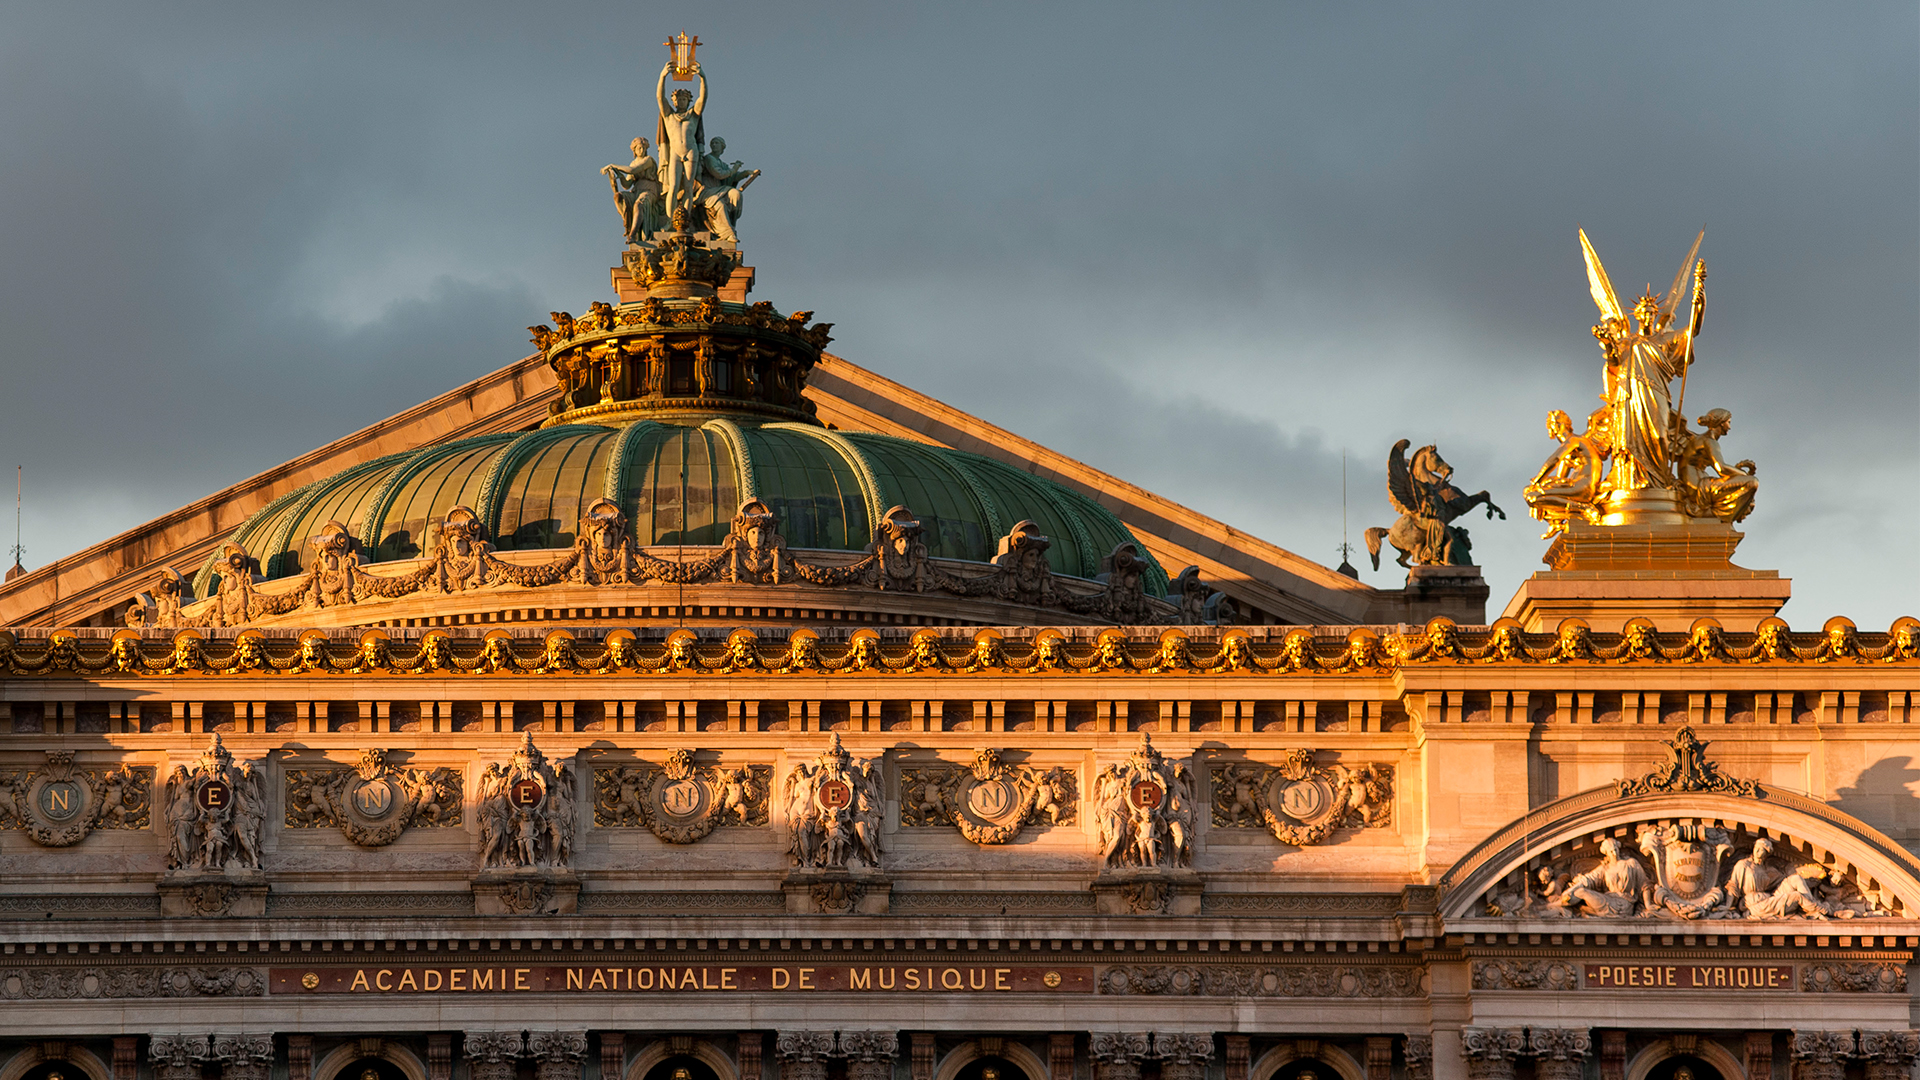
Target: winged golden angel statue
(1638, 462)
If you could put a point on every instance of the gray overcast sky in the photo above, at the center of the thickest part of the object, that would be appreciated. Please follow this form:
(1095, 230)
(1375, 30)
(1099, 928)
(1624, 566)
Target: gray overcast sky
(1205, 247)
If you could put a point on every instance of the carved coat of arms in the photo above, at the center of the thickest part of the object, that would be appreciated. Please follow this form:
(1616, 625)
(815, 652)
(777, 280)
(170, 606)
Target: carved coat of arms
(990, 801)
(374, 802)
(679, 800)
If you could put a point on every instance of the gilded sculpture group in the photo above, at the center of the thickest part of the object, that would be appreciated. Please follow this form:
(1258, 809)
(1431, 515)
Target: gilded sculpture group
(1638, 461)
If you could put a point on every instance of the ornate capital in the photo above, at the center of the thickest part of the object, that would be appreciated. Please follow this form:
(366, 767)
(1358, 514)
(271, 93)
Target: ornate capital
(869, 1045)
(1183, 1054)
(559, 1053)
(1490, 1051)
(491, 1054)
(1559, 1053)
(1890, 1054)
(803, 1054)
(178, 1057)
(1821, 1055)
(1418, 1050)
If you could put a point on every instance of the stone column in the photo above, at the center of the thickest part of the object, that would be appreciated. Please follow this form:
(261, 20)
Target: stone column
(1613, 1055)
(126, 1058)
(1060, 1056)
(1239, 1056)
(1418, 1050)
(1559, 1053)
(300, 1058)
(559, 1053)
(803, 1054)
(921, 1061)
(749, 1049)
(1889, 1054)
(491, 1054)
(1821, 1055)
(1183, 1054)
(1116, 1054)
(1489, 1051)
(1759, 1055)
(869, 1054)
(178, 1057)
(439, 1056)
(1379, 1057)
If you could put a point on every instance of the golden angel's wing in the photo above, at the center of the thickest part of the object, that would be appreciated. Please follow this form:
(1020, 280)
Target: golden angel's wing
(1680, 279)
(1603, 297)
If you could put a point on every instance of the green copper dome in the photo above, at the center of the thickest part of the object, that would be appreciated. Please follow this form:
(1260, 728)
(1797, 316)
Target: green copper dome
(681, 483)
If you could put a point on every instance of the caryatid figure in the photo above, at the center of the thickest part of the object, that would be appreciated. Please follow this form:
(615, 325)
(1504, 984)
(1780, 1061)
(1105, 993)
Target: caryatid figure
(682, 138)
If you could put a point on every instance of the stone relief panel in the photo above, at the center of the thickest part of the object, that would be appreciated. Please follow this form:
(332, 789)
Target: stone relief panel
(527, 814)
(1859, 977)
(214, 813)
(680, 801)
(31, 984)
(834, 809)
(989, 802)
(374, 802)
(1299, 802)
(1684, 871)
(1145, 807)
(1288, 980)
(57, 804)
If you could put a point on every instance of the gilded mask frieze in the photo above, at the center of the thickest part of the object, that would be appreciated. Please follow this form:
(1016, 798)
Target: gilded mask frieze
(989, 802)
(58, 804)
(375, 802)
(1302, 803)
(681, 801)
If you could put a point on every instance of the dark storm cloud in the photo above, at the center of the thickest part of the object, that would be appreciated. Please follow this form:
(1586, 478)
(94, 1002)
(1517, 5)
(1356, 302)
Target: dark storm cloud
(1207, 249)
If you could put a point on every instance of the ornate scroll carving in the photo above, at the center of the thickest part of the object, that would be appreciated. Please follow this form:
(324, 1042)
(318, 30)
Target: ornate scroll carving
(991, 801)
(1525, 975)
(214, 813)
(492, 1055)
(1299, 802)
(559, 1053)
(679, 801)
(1821, 1055)
(1890, 1054)
(1855, 977)
(374, 802)
(1489, 1051)
(57, 805)
(527, 812)
(1689, 771)
(1117, 1054)
(1282, 981)
(1146, 810)
(1559, 1053)
(834, 808)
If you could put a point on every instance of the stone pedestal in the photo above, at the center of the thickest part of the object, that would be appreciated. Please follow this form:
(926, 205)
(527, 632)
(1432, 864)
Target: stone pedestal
(1458, 592)
(812, 891)
(526, 891)
(1155, 891)
(188, 893)
(1670, 574)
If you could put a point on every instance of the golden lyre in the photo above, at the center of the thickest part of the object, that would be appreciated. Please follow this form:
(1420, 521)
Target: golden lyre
(682, 49)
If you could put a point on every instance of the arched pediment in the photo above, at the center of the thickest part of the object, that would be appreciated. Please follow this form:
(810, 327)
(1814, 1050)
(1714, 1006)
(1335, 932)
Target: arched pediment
(1687, 844)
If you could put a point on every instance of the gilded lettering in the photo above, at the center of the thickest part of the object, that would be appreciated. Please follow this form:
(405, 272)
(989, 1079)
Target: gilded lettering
(431, 979)
(859, 978)
(408, 982)
(599, 980)
(453, 979)
(726, 979)
(976, 978)
(806, 978)
(380, 980)
(888, 979)
(1000, 978)
(576, 979)
(1744, 975)
(483, 978)
(668, 980)
(359, 980)
(520, 979)
(646, 978)
(1672, 978)
(689, 981)
(704, 983)
(913, 978)
(781, 978)
(950, 979)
